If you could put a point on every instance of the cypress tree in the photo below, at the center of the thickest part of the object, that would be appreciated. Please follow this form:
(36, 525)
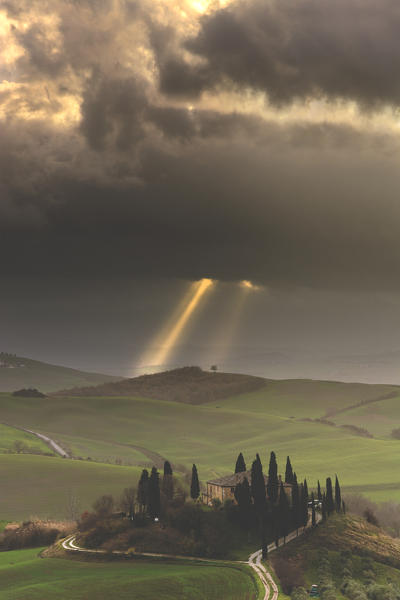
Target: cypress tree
(167, 468)
(258, 486)
(295, 504)
(283, 513)
(167, 485)
(303, 507)
(240, 464)
(319, 492)
(243, 497)
(142, 493)
(305, 489)
(343, 507)
(194, 485)
(330, 505)
(324, 511)
(264, 546)
(275, 522)
(154, 494)
(273, 482)
(313, 518)
(338, 496)
(288, 471)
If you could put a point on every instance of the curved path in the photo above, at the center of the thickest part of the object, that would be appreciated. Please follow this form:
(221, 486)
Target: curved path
(254, 561)
(51, 443)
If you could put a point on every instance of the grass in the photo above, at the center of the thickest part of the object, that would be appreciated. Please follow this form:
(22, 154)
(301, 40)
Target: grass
(39, 486)
(210, 435)
(379, 418)
(9, 436)
(339, 534)
(44, 376)
(25, 576)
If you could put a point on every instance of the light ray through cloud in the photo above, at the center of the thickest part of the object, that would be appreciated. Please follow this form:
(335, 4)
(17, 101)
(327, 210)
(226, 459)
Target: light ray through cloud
(233, 310)
(160, 351)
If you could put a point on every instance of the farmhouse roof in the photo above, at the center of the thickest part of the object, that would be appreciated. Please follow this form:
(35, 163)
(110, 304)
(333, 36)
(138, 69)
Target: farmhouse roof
(235, 478)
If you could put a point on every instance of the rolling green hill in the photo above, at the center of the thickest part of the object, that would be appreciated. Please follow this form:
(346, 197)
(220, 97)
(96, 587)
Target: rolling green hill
(348, 555)
(17, 372)
(143, 431)
(284, 416)
(41, 486)
(25, 576)
(190, 385)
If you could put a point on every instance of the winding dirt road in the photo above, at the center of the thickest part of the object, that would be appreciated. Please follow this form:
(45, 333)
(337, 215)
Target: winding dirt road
(254, 561)
(50, 443)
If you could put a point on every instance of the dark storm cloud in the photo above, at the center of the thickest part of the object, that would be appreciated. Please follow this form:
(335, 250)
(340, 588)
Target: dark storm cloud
(294, 50)
(142, 187)
(223, 206)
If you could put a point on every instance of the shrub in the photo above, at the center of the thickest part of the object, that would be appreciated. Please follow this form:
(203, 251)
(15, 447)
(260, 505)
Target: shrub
(104, 505)
(290, 574)
(299, 593)
(30, 535)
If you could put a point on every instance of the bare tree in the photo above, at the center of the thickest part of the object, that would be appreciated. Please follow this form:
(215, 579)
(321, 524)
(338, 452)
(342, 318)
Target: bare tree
(73, 506)
(104, 505)
(127, 502)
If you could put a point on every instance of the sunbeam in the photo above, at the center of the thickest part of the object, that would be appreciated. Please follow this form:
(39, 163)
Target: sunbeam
(166, 342)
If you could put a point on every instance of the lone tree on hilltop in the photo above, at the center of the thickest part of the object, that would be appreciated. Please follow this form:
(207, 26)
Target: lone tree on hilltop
(194, 484)
(143, 489)
(338, 495)
(273, 482)
(240, 464)
(330, 505)
(288, 471)
(154, 494)
(258, 485)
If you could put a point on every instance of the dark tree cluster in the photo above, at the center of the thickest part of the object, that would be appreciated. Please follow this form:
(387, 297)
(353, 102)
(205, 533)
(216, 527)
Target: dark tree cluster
(275, 508)
(29, 393)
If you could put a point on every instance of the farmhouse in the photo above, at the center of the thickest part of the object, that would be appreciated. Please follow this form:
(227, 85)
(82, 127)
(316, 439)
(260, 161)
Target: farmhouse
(224, 488)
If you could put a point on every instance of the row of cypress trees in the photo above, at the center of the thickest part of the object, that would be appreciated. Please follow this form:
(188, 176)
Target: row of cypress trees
(276, 514)
(150, 489)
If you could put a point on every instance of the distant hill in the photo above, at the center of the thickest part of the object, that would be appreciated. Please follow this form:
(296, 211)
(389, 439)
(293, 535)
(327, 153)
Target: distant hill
(17, 372)
(190, 385)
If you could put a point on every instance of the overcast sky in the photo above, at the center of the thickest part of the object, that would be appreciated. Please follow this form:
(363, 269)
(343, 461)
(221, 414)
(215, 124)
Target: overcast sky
(147, 144)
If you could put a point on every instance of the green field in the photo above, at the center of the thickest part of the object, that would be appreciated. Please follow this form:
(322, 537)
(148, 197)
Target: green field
(13, 440)
(40, 486)
(28, 373)
(128, 429)
(25, 576)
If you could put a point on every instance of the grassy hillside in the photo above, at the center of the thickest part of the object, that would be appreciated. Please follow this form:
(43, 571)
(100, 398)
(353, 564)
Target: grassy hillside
(17, 372)
(143, 431)
(25, 576)
(344, 548)
(189, 384)
(42, 486)
(17, 441)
